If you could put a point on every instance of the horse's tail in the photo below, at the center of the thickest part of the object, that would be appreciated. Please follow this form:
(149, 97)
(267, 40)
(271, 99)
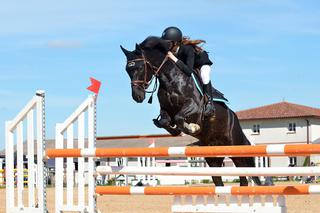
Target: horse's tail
(252, 161)
(244, 141)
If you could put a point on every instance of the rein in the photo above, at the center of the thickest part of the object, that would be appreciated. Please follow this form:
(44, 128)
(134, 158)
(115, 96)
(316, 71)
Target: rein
(155, 73)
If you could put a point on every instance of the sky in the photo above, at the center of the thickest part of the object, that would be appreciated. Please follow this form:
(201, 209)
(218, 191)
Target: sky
(264, 51)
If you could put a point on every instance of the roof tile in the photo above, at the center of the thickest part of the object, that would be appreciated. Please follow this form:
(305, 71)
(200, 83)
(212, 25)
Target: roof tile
(278, 110)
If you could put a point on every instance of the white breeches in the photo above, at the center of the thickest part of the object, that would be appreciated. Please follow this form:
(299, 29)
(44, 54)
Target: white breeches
(205, 74)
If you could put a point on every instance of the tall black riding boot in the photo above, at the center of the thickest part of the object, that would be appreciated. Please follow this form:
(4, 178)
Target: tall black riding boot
(209, 109)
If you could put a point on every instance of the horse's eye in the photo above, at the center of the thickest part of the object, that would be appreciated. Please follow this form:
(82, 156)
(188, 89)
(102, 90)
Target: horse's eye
(131, 64)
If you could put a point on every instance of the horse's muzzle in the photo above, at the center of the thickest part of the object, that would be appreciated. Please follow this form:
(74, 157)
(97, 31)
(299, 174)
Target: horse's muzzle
(137, 94)
(138, 98)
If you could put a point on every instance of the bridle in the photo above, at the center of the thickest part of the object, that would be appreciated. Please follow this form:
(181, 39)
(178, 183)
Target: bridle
(144, 84)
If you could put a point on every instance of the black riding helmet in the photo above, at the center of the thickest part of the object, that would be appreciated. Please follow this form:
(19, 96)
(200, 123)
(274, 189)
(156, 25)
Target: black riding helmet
(172, 34)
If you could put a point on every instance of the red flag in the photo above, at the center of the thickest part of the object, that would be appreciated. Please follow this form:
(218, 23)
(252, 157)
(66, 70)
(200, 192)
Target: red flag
(95, 85)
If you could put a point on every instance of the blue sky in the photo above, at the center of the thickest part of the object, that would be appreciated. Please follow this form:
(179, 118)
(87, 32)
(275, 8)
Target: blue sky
(263, 52)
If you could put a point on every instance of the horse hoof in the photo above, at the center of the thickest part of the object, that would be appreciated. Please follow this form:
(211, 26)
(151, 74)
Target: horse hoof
(212, 118)
(194, 128)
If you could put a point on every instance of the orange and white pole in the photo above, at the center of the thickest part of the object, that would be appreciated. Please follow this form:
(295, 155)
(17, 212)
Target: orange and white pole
(209, 190)
(202, 151)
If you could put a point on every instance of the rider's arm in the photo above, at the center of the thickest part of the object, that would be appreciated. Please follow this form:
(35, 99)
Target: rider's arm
(182, 66)
(188, 51)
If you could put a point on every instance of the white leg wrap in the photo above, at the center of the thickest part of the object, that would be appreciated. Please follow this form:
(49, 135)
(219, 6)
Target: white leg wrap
(205, 74)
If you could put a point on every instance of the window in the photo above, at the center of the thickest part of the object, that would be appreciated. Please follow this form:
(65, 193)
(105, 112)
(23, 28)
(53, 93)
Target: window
(262, 162)
(292, 127)
(256, 129)
(193, 162)
(119, 161)
(292, 161)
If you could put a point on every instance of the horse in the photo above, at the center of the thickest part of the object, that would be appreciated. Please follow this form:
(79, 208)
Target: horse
(182, 105)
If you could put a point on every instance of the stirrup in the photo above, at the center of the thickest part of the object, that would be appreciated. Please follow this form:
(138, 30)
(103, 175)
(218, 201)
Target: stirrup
(208, 113)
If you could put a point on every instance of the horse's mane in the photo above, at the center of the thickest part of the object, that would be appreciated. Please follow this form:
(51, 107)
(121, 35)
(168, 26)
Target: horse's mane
(154, 42)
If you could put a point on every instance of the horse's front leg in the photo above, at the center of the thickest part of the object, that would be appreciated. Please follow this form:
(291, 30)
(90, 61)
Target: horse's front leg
(165, 122)
(188, 109)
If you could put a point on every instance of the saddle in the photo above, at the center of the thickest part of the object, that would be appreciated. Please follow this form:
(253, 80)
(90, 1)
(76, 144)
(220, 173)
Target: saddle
(217, 95)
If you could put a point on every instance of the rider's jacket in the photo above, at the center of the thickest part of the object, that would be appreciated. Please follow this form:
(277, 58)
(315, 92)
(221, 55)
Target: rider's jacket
(194, 60)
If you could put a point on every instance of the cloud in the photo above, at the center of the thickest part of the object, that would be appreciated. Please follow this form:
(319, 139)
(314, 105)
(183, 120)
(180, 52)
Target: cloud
(64, 44)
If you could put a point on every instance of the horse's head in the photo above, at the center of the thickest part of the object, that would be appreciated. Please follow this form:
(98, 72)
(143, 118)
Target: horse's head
(143, 63)
(139, 72)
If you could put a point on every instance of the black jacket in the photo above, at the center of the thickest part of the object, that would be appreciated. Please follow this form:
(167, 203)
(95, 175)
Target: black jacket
(187, 54)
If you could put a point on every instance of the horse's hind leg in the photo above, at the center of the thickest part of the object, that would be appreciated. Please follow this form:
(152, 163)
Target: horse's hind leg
(245, 162)
(216, 162)
(241, 162)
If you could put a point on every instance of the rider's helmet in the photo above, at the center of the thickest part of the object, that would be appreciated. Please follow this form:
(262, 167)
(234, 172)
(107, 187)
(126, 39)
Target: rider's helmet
(172, 34)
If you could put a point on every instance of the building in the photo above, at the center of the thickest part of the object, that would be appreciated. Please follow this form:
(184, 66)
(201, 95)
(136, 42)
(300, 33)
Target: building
(281, 123)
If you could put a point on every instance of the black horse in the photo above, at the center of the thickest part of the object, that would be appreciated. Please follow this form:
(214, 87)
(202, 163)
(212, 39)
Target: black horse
(182, 105)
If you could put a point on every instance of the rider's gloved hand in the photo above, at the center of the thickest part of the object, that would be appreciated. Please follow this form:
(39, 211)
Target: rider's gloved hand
(187, 70)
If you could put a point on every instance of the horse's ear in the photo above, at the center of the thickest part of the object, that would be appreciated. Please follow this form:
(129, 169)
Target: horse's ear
(125, 51)
(164, 44)
(138, 49)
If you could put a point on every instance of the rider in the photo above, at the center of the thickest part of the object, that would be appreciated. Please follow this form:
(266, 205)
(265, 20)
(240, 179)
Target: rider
(189, 57)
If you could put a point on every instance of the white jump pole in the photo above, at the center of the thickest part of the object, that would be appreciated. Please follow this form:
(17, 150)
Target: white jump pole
(209, 171)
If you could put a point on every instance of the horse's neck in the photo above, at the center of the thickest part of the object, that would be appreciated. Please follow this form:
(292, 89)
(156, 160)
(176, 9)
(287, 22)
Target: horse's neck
(170, 75)
(155, 58)
(173, 80)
